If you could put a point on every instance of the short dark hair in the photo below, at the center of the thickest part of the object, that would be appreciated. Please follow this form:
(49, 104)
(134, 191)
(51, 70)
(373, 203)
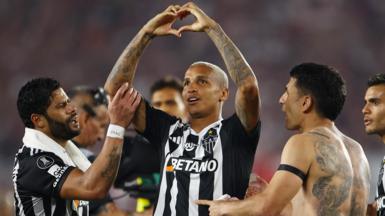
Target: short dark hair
(377, 79)
(324, 84)
(98, 96)
(35, 97)
(167, 82)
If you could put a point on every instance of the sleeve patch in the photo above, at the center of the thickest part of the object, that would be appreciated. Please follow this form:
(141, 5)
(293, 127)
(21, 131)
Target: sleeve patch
(57, 172)
(44, 162)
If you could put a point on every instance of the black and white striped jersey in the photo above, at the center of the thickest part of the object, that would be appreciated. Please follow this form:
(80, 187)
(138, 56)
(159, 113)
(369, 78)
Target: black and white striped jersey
(204, 165)
(37, 178)
(380, 194)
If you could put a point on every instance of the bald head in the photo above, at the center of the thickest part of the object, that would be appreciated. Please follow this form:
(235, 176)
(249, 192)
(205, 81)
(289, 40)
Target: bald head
(219, 75)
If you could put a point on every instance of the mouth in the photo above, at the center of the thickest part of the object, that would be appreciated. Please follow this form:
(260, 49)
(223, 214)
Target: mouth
(192, 100)
(74, 121)
(367, 122)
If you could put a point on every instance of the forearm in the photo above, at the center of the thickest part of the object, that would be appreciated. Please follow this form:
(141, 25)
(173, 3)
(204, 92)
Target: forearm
(237, 66)
(257, 205)
(102, 172)
(125, 67)
(247, 102)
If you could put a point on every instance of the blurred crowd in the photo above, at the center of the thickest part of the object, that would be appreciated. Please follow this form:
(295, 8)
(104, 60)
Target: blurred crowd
(77, 43)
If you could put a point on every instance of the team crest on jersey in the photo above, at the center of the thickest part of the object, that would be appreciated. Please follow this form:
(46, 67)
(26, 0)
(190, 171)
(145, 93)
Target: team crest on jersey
(209, 140)
(44, 162)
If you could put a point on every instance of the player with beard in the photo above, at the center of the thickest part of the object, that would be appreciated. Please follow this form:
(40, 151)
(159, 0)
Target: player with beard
(51, 176)
(322, 171)
(208, 156)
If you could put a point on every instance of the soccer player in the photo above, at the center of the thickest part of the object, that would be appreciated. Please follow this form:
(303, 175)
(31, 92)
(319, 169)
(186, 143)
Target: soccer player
(208, 156)
(166, 95)
(374, 120)
(322, 171)
(51, 176)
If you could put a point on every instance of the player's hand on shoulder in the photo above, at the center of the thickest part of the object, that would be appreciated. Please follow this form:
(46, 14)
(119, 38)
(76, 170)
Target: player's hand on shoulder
(123, 105)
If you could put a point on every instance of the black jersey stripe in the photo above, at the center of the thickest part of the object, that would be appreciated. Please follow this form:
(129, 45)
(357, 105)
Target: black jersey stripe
(169, 178)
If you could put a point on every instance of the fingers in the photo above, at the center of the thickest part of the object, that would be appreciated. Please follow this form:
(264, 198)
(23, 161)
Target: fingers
(175, 32)
(189, 5)
(185, 28)
(183, 12)
(203, 202)
(121, 92)
(173, 8)
(137, 101)
(131, 96)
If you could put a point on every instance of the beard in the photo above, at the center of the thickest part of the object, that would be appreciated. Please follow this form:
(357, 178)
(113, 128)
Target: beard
(61, 130)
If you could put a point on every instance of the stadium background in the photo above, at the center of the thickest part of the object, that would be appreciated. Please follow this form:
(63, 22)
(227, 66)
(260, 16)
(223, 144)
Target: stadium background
(78, 42)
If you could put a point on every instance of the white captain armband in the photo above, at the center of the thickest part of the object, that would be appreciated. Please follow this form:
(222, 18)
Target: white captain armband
(115, 131)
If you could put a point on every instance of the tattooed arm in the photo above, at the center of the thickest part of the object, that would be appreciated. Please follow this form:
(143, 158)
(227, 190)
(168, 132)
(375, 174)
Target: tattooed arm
(125, 67)
(247, 101)
(276, 198)
(95, 182)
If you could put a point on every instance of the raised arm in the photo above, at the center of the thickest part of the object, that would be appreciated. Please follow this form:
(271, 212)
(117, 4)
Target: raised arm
(125, 67)
(97, 180)
(247, 101)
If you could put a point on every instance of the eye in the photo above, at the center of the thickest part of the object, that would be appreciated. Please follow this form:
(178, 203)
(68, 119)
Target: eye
(61, 105)
(170, 102)
(202, 81)
(156, 104)
(186, 82)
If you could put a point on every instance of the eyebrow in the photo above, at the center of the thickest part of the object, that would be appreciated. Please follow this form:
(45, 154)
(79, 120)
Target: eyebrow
(63, 102)
(202, 77)
(197, 77)
(373, 99)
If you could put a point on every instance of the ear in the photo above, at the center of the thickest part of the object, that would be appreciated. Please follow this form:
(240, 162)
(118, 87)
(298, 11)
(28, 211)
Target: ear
(307, 103)
(224, 95)
(39, 121)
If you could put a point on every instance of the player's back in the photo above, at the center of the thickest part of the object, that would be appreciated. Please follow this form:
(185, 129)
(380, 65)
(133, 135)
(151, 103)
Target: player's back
(361, 180)
(338, 180)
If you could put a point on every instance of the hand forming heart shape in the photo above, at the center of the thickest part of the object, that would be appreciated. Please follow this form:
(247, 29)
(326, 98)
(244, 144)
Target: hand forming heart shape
(162, 23)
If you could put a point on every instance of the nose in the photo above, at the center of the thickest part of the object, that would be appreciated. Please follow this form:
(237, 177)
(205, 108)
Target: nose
(71, 108)
(191, 87)
(283, 98)
(365, 109)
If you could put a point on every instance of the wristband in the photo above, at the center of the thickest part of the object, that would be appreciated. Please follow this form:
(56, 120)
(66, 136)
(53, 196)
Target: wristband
(115, 131)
